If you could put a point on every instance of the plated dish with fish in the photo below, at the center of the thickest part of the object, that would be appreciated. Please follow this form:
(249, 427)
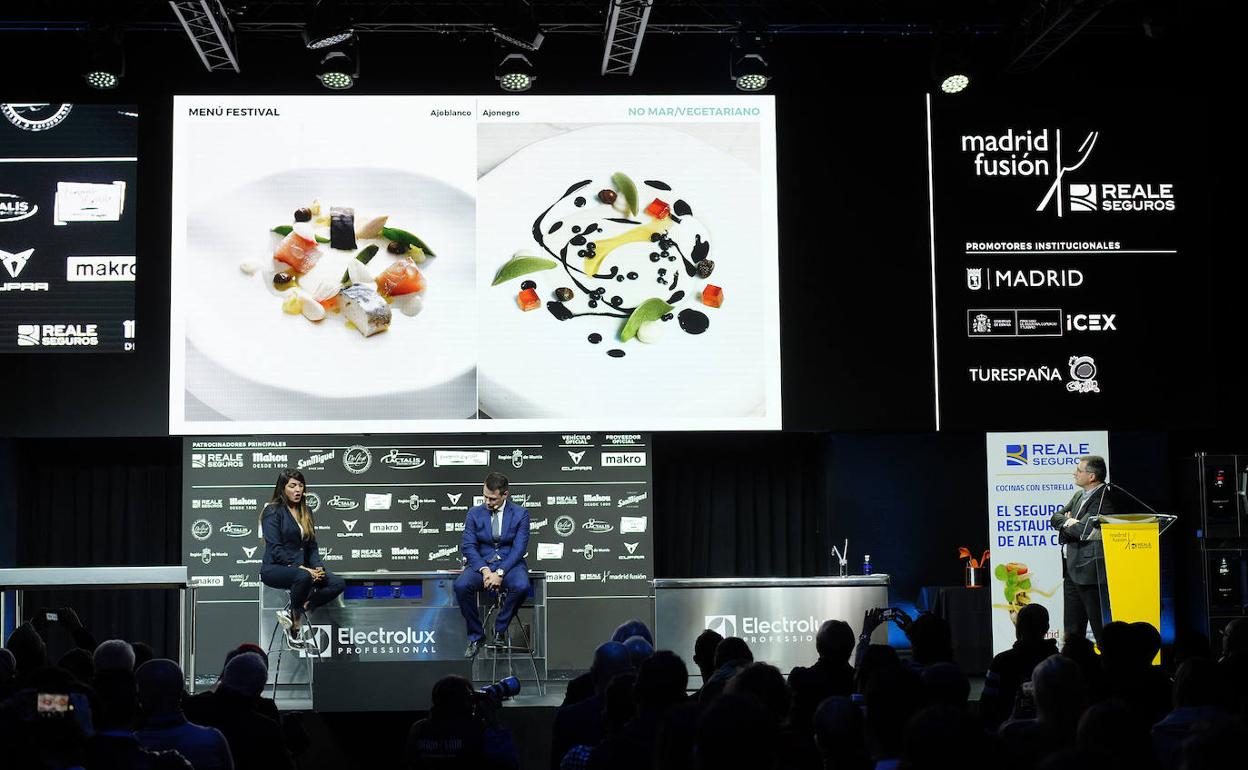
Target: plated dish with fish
(337, 286)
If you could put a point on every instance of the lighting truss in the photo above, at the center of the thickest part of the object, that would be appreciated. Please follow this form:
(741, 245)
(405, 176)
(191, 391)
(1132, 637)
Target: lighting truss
(210, 30)
(626, 26)
(1048, 26)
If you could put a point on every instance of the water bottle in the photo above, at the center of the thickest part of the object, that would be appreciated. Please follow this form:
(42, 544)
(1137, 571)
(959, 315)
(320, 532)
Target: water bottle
(866, 564)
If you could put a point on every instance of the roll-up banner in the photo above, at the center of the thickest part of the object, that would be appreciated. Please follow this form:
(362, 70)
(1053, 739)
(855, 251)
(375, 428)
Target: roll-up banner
(1030, 476)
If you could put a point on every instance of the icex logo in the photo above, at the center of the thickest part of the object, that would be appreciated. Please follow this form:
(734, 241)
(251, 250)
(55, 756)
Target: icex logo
(14, 263)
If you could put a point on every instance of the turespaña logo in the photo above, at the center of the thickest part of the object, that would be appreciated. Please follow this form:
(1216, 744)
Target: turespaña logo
(403, 460)
(36, 117)
(1083, 375)
(201, 529)
(357, 459)
(564, 526)
(724, 625)
(15, 208)
(1015, 454)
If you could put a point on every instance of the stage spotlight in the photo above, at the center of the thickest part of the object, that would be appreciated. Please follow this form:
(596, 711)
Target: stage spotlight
(748, 66)
(515, 73)
(327, 26)
(950, 68)
(338, 69)
(105, 59)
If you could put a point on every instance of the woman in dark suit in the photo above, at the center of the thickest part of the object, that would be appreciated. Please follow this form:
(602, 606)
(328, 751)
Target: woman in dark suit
(291, 558)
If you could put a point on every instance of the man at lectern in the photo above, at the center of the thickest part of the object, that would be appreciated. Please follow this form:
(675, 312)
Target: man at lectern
(1083, 565)
(496, 537)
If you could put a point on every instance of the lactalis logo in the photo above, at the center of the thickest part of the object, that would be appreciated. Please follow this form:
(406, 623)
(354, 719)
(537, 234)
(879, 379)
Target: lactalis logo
(402, 460)
(340, 503)
(230, 529)
(15, 208)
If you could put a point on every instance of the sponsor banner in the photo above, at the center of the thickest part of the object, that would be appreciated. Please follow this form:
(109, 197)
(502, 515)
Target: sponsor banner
(1030, 477)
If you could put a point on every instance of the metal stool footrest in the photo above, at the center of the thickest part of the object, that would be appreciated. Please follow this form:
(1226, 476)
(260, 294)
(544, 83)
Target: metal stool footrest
(508, 646)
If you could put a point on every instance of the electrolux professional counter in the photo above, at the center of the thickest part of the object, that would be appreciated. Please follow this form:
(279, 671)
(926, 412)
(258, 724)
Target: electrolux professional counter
(383, 643)
(777, 617)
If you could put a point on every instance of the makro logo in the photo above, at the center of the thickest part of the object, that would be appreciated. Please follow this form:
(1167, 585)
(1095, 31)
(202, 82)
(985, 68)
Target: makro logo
(623, 459)
(230, 529)
(1015, 454)
(401, 460)
(631, 500)
(987, 278)
(216, 460)
(357, 459)
(317, 460)
(560, 577)
(340, 503)
(564, 526)
(15, 208)
(201, 529)
(215, 581)
(36, 116)
(385, 527)
(597, 526)
(1082, 375)
(99, 269)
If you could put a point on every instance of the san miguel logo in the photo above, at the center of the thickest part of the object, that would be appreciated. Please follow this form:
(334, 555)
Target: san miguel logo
(1031, 153)
(36, 117)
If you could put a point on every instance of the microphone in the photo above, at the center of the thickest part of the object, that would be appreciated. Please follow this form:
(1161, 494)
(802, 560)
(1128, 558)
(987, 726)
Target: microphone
(1127, 492)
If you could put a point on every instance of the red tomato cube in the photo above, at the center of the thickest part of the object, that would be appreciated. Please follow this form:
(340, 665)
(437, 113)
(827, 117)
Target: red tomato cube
(658, 209)
(712, 295)
(528, 300)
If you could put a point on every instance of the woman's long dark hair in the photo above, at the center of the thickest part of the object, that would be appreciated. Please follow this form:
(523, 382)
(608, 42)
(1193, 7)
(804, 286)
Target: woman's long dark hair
(303, 514)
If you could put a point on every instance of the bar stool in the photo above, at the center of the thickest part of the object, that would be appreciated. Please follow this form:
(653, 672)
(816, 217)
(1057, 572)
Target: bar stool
(508, 646)
(284, 647)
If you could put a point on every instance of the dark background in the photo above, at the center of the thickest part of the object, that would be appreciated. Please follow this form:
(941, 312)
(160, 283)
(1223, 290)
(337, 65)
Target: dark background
(88, 475)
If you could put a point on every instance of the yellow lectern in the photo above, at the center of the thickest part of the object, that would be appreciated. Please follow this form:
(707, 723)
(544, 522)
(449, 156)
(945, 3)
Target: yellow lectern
(1131, 568)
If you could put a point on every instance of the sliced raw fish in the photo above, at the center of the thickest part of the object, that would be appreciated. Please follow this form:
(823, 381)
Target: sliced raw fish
(300, 253)
(365, 309)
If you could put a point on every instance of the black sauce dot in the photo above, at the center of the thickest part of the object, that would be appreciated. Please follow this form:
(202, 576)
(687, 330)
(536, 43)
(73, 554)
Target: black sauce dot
(619, 278)
(581, 253)
(528, 285)
(593, 303)
(577, 240)
(617, 300)
(671, 259)
(576, 228)
(654, 237)
(595, 338)
(654, 257)
(615, 353)
(579, 201)
(632, 276)
(693, 321)
(667, 316)
(662, 271)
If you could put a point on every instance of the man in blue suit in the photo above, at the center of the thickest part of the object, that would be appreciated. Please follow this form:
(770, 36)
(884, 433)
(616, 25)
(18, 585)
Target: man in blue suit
(496, 537)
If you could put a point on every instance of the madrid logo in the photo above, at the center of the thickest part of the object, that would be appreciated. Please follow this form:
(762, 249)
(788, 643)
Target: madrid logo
(724, 625)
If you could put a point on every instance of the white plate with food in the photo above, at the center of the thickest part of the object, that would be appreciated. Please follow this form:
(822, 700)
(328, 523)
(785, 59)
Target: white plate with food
(645, 251)
(320, 294)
